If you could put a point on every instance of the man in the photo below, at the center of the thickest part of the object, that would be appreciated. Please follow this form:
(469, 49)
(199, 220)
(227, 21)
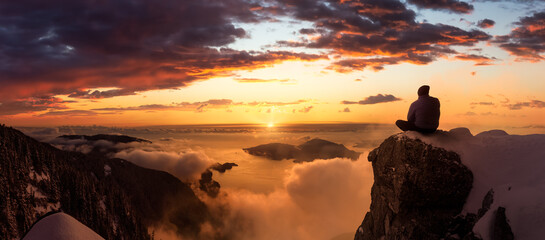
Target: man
(423, 114)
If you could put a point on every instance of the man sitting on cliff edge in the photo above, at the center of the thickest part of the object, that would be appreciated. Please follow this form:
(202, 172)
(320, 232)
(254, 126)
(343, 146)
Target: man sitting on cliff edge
(423, 114)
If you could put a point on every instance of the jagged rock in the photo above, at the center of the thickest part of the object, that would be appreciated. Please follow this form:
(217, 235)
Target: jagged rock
(487, 202)
(501, 229)
(113, 197)
(209, 185)
(418, 191)
(308, 151)
(223, 167)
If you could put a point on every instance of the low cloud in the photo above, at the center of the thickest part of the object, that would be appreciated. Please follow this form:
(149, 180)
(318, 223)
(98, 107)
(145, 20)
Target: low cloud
(319, 200)
(379, 98)
(185, 166)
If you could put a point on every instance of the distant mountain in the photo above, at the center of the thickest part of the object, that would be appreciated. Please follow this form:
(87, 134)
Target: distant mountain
(113, 197)
(106, 137)
(308, 151)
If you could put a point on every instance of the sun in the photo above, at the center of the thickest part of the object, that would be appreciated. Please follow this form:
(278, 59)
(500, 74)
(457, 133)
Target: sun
(270, 125)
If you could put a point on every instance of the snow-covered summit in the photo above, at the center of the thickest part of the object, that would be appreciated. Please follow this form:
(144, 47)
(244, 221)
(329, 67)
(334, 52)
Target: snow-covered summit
(60, 226)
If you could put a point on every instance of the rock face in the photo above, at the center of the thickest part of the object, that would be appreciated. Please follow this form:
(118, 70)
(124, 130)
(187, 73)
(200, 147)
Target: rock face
(308, 151)
(113, 197)
(418, 191)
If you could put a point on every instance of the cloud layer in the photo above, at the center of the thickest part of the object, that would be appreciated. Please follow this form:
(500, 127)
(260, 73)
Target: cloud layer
(319, 200)
(67, 47)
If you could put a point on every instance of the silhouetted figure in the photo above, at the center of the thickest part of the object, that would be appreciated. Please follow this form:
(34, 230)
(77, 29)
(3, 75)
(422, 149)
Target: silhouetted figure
(423, 114)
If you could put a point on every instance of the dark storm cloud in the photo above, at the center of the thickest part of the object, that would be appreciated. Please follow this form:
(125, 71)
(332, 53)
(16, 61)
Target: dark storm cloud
(486, 23)
(448, 5)
(74, 47)
(384, 28)
(379, 98)
(527, 40)
(69, 47)
(35, 104)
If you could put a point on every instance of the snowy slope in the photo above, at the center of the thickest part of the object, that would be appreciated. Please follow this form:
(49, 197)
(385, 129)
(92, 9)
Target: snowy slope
(512, 165)
(60, 226)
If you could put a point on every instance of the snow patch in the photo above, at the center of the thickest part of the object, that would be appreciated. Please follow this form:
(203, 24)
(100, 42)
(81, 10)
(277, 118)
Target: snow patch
(107, 170)
(33, 190)
(60, 226)
(102, 205)
(38, 177)
(48, 207)
(511, 165)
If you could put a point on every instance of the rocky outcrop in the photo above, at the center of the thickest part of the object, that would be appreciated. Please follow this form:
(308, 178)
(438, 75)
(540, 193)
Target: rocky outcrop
(209, 185)
(418, 191)
(113, 197)
(308, 151)
(223, 167)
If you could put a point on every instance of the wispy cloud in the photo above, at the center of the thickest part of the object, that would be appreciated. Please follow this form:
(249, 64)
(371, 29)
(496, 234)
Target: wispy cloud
(379, 98)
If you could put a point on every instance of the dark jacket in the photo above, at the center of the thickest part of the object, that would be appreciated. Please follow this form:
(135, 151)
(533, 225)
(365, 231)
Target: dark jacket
(424, 112)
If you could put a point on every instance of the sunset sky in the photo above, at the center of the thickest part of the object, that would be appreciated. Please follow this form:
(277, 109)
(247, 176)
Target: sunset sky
(148, 62)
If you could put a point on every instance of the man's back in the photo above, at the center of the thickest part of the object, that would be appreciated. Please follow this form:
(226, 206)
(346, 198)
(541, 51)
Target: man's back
(424, 112)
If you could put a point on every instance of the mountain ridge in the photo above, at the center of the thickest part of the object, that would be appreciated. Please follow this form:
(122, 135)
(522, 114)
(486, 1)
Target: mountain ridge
(115, 198)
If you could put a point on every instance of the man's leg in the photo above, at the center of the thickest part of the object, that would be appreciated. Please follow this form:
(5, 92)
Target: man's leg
(405, 125)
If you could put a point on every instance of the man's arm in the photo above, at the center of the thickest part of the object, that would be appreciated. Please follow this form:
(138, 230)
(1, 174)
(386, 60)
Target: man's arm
(411, 116)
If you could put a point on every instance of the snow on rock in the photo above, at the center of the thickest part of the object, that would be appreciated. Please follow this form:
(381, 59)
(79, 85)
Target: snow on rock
(511, 165)
(37, 177)
(48, 207)
(33, 190)
(107, 170)
(60, 226)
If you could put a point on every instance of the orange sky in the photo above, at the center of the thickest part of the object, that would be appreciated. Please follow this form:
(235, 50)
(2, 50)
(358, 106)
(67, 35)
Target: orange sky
(283, 71)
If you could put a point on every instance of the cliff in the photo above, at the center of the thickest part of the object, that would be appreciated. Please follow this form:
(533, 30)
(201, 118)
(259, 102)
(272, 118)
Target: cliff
(487, 186)
(418, 191)
(113, 197)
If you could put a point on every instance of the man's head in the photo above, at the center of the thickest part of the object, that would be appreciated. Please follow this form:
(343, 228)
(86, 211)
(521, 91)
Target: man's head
(424, 90)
